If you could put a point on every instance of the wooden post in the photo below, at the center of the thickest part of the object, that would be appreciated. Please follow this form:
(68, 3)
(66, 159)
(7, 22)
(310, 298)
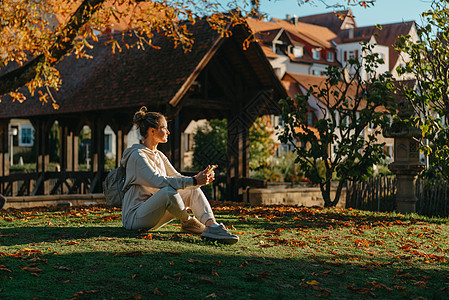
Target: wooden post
(121, 130)
(4, 157)
(175, 142)
(238, 155)
(42, 127)
(98, 158)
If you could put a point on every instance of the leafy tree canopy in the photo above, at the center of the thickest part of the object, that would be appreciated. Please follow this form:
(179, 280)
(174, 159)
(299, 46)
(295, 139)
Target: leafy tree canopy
(428, 64)
(340, 139)
(36, 34)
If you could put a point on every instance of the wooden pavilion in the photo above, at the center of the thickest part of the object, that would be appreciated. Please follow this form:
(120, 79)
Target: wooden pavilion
(216, 79)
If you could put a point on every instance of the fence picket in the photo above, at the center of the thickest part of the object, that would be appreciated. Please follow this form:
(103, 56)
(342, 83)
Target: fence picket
(379, 194)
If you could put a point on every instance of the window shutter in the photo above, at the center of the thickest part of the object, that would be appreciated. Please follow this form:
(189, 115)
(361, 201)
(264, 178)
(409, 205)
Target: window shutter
(346, 56)
(357, 54)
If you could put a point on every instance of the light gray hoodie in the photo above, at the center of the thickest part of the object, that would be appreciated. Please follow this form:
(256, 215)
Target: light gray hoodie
(146, 173)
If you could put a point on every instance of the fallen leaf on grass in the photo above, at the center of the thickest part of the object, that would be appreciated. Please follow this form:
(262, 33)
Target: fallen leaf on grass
(134, 276)
(136, 296)
(211, 296)
(83, 293)
(35, 274)
(206, 280)
(147, 237)
(171, 262)
(313, 282)
(379, 285)
(4, 268)
(399, 287)
(71, 243)
(420, 284)
(214, 273)
(157, 292)
(360, 291)
(63, 268)
(260, 277)
(192, 261)
(130, 254)
(31, 268)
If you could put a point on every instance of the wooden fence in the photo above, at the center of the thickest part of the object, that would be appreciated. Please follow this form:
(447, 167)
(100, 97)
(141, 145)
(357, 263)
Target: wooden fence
(379, 194)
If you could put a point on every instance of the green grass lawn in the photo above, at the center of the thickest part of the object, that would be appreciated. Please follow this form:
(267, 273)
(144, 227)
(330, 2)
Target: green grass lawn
(283, 253)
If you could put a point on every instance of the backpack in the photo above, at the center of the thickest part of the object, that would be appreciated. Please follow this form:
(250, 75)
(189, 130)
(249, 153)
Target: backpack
(113, 186)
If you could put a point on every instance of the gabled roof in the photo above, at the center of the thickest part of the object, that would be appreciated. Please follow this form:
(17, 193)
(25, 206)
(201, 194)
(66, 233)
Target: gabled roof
(333, 20)
(135, 77)
(300, 34)
(316, 35)
(387, 36)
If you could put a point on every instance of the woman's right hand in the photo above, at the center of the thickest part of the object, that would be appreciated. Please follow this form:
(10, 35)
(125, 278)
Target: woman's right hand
(204, 177)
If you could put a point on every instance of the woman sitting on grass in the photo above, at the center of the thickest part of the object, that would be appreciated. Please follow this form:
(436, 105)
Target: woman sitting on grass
(158, 193)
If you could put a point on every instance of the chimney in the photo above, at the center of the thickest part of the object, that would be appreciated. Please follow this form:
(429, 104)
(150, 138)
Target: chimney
(351, 33)
(287, 17)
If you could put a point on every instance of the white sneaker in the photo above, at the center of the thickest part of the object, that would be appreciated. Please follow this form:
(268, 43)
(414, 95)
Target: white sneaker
(192, 225)
(220, 234)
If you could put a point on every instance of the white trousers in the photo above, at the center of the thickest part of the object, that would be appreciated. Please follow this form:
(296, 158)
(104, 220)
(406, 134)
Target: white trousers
(168, 204)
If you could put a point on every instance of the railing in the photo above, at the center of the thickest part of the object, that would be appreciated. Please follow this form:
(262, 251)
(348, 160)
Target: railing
(52, 183)
(85, 182)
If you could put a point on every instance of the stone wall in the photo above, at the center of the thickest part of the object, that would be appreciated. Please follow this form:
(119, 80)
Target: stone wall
(307, 196)
(54, 200)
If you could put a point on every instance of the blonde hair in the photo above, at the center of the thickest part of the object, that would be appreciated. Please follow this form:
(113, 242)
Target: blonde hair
(145, 120)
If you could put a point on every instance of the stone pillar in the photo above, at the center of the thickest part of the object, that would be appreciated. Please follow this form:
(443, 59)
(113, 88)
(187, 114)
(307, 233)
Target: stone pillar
(406, 165)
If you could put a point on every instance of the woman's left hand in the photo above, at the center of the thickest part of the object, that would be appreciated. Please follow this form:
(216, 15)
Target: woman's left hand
(204, 177)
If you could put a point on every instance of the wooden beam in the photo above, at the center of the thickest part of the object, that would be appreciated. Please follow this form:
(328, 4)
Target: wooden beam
(201, 104)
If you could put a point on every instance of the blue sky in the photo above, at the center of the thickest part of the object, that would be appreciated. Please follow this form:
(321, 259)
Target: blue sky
(383, 12)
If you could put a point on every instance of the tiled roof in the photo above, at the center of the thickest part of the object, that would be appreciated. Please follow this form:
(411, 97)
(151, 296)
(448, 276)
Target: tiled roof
(152, 77)
(126, 79)
(268, 52)
(315, 35)
(329, 20)
(387, 36)
(302, 34)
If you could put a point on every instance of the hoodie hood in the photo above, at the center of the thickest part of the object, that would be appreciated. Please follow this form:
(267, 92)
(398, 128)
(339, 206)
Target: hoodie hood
(128, 151)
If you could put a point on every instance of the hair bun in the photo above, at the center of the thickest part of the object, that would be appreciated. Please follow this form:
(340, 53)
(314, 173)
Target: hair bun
(140, 115)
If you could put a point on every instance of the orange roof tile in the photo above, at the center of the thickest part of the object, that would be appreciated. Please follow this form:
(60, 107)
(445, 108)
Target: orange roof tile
(329, 20)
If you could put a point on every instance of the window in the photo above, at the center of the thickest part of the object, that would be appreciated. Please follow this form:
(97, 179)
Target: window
(330, 56)
(108, 143)
(26, 136)
(281, 122)
(316, 54)
(389, 150)
(189, 142)
(351, 54)
(298, 52)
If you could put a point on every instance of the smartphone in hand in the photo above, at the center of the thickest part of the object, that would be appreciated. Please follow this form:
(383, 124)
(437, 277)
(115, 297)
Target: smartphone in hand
(211, 168)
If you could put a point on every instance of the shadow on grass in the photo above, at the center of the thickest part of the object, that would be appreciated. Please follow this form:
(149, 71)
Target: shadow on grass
(197, 275)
